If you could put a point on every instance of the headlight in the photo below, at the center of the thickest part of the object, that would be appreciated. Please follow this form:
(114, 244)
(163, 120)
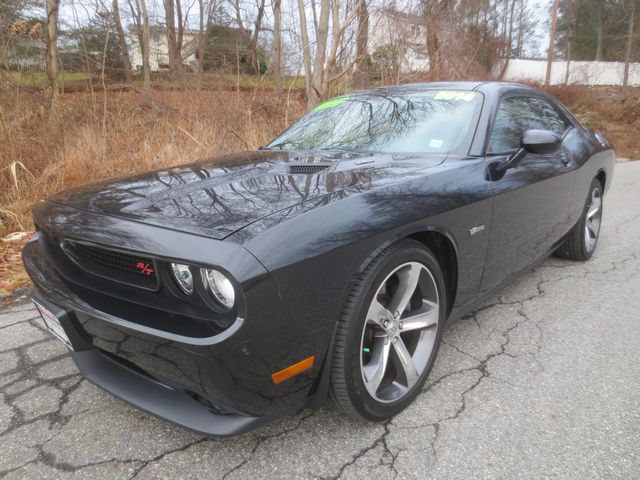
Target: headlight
(220, 286)
(183, 277)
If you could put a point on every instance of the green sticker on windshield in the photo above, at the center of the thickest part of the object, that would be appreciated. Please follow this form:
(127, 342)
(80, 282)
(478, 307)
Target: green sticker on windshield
(331, 103)
(455, 95)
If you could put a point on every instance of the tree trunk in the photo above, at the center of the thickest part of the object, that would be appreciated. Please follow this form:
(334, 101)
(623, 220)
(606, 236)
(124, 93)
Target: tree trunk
(520, 30)
(552, 42)
(361, 78)
(124, 52)
(52, 55)
(253, 42)
(627, 53)
(599, 32)
(277, 46)
(568, 70)
(146, 36)
(175, 58)
(137, 21)
(180, 30)
(317, 79)
(433, 48)
(170, 20)
(510, 35)
(505, 26)
(201, 42)
(306, 51)
(331, 59)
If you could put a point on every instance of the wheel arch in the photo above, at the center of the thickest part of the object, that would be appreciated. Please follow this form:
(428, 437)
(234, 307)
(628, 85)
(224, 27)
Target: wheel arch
(443, 247)
(602, 178)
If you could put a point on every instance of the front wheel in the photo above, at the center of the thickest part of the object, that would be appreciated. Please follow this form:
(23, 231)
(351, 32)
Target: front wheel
(389, 333)
(583, 238)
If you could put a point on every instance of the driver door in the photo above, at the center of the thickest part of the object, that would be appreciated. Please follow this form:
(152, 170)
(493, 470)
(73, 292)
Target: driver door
(531, 200)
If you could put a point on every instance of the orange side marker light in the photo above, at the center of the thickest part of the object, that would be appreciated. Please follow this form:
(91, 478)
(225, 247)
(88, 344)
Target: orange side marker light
(293, 370)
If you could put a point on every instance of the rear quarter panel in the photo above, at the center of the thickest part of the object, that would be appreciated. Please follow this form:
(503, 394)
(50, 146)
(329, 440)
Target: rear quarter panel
(593, 158)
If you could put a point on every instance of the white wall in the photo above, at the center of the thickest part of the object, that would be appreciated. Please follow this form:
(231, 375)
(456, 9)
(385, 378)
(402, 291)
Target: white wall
(580, 73)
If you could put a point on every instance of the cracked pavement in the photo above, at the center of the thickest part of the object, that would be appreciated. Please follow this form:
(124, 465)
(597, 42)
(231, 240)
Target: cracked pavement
(541, 382)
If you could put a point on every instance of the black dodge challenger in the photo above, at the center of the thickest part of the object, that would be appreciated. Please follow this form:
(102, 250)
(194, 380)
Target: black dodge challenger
(222, 294)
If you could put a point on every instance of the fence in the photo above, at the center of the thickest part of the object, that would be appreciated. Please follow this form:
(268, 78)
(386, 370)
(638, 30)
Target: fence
(579, 73)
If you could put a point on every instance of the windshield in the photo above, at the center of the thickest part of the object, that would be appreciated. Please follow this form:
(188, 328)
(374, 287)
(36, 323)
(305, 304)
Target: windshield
(436, 121)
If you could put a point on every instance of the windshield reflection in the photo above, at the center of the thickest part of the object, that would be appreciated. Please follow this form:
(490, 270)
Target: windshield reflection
(427, 122)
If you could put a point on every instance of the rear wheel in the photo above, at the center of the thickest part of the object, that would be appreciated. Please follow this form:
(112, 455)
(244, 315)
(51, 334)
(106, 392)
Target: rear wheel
(583, 238)
(389, 333)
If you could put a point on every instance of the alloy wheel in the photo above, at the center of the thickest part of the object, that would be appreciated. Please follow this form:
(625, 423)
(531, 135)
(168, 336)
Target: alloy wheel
(399, 332)
(593, 220)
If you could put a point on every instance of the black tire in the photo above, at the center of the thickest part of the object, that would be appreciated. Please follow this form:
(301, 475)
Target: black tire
(578, 245)
(348, 392)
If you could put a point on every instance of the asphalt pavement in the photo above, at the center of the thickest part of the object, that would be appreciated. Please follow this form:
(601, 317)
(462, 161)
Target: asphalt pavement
(542, 382)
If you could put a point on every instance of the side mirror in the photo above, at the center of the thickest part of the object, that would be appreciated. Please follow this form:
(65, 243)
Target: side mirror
(541, 142)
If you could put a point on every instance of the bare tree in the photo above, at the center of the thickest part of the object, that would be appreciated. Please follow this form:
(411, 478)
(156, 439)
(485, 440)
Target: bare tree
(362, 39)
(509, 50)
(174, 36)
(146, 37)
(250, 37)
(136, 15)
(629, 47)
(306, 51)
(325, 68)
(124, 51)
(52, 54)
(206, 9)
(253, 43)
(521, 30)
(552, 41)
(277, 45)
(434, 11)
(322, 34)
(571, 12)
(600, 31)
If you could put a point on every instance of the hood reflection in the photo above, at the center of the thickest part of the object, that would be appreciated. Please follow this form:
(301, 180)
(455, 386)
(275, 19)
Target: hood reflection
(218, 197)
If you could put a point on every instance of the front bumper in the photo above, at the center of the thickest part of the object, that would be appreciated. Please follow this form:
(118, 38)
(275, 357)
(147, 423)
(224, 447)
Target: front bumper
(159, 399)
(218, 386)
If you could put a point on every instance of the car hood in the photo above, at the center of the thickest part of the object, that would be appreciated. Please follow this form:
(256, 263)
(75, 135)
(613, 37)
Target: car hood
(217, 197)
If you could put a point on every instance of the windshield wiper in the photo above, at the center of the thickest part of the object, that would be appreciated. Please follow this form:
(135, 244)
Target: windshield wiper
(339, 149)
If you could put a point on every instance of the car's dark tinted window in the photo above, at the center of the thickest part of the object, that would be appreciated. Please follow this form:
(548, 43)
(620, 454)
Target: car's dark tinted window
(517, 114)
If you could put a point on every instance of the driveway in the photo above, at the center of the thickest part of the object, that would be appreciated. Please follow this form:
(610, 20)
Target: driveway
(543, 381)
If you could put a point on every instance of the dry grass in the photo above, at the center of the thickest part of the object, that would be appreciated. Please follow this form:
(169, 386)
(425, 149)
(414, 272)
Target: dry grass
(613, 111)
(12, 275)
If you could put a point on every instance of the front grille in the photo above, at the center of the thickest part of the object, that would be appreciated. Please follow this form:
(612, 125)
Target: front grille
(122, 267)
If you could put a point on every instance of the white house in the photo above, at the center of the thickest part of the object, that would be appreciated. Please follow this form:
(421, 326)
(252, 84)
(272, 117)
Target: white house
(159, 49)
(403, 31)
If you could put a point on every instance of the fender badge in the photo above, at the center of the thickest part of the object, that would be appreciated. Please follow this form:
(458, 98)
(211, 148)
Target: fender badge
(474, 230)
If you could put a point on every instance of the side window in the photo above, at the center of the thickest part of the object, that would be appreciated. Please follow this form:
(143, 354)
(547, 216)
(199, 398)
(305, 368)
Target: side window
(517, 114)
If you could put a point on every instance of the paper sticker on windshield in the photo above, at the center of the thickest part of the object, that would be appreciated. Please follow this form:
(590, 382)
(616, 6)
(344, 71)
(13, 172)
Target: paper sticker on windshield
(434, 143)
(455, 95)
(331, 103)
